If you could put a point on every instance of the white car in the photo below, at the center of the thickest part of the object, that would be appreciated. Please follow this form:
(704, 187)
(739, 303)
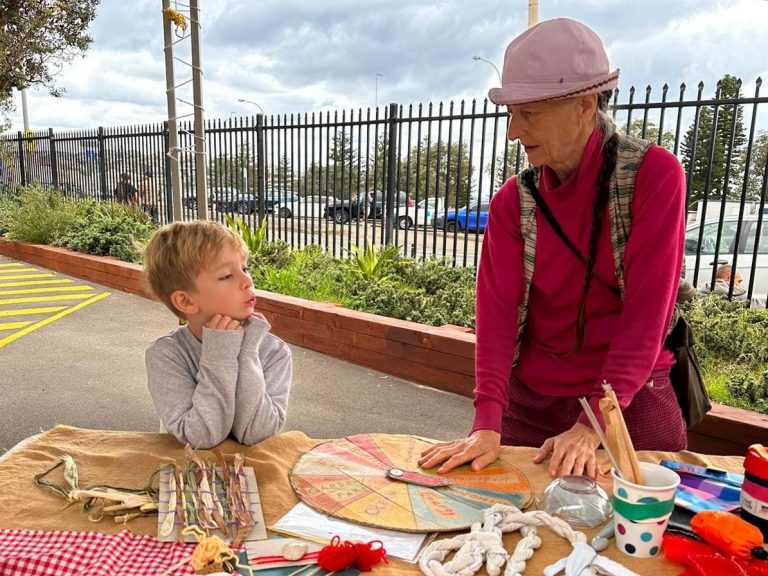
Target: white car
(421, 214)
(727, 249)
(304, 207)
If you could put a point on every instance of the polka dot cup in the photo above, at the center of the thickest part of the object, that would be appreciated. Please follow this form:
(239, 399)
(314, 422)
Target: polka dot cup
(641, 513)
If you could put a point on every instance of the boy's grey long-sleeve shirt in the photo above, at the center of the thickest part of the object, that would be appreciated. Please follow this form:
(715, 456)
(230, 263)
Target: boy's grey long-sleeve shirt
(233, 382)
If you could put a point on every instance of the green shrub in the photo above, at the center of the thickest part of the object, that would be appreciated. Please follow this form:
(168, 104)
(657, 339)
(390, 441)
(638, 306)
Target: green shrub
(8, 208)
(308, 273)
(112, 230)
(373, 265)
(728, 331)
(39, 215)
(430, 293)
(254, 239)
(751, 389)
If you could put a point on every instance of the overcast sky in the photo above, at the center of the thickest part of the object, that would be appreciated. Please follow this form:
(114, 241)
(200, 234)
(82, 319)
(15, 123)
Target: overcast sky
(294, 56)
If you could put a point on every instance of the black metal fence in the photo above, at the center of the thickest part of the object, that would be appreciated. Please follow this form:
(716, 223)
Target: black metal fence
(417, 176)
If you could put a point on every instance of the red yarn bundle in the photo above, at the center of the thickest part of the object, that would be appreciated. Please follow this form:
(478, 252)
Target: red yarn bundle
(339, 556)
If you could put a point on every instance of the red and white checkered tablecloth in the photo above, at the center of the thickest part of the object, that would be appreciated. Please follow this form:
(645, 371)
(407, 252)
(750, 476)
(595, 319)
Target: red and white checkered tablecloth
(36, 553)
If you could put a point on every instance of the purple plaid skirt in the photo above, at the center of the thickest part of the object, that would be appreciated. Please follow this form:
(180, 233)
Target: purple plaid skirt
(653, 418)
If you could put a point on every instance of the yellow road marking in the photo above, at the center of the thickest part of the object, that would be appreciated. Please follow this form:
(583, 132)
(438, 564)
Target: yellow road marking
(35, 282)
(16, 270)
(43, 299)
(43, 290)
(46, 321)
(10, 264)
(27, 276)
(14, 325)
(28, 311)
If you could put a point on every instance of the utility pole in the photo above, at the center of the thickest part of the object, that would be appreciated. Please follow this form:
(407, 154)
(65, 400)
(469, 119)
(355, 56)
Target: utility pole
(197, 99)
(24, 109)
(533, 13)
(173, 130)
(533, 19)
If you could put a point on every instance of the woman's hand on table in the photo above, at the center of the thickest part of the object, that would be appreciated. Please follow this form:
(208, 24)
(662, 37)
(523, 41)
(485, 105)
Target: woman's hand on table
(573, 452)
(481, 448)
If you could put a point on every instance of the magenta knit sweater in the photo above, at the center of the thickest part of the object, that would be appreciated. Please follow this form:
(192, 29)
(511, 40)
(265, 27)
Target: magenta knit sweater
(623, 341)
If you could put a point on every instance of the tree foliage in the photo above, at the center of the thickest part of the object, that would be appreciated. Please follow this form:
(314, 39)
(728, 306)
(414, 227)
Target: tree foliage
(650, 132)
(37, 37)
(438, 170)
(757, 168)
(336, 175)
(236, 171)
(723, 138)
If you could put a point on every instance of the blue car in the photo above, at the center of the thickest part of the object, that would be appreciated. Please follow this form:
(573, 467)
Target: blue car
(473, 218)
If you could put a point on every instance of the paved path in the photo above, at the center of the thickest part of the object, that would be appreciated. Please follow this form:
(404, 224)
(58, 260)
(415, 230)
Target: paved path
(86, 369)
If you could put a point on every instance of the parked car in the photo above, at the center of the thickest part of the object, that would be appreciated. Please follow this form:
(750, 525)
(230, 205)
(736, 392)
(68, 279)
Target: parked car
(473, 218)
(223, 199)
(307, 207)
(232, 200)
(727, 249)
(365, 204)
(421, 214)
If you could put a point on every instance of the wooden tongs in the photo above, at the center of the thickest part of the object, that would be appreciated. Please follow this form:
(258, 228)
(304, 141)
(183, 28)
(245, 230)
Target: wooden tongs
(617, 436)
(616, 440)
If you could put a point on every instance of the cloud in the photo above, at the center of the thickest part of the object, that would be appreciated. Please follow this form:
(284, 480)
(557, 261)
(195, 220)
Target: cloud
(296, 56)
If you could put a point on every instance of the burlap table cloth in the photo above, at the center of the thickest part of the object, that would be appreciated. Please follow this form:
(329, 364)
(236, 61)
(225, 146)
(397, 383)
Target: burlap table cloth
(128, 459)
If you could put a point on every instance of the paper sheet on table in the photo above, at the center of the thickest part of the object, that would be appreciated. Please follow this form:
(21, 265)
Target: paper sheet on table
(303, 522)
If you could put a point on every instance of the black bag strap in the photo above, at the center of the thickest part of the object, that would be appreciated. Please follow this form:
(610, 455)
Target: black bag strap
(530, 182)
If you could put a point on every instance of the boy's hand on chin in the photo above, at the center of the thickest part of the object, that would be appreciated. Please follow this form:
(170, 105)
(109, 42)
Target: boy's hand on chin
(219, 322)
(260, 316)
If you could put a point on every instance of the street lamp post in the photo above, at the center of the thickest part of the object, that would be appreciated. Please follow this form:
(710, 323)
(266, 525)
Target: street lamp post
(376, 95)
(479, 59)
(252, 102)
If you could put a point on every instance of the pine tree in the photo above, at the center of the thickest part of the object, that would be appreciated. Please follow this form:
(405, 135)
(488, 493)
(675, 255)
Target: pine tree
(697, 163)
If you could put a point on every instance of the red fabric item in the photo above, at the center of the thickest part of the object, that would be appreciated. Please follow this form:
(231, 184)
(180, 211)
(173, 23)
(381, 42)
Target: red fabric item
(679, 548)
(701, 559)
(36, 553)
(623, 341)
(715, 566)
(653, 418)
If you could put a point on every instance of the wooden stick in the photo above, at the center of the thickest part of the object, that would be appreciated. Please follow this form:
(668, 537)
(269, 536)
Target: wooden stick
(599, 431)
(615, 440)
(625, 437)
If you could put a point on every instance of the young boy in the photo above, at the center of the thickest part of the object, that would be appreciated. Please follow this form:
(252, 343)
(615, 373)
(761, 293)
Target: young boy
(222, 373)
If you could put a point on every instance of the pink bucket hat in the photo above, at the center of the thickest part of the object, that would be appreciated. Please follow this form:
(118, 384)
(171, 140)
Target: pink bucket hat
(554, 59)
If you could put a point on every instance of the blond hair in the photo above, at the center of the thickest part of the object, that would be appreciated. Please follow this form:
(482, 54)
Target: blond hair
(177, 253)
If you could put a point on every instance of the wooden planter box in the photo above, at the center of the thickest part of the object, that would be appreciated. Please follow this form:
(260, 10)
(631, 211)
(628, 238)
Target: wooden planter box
(440, 357)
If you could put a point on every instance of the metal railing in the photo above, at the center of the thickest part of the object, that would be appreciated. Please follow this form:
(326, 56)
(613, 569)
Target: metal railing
(381, 167)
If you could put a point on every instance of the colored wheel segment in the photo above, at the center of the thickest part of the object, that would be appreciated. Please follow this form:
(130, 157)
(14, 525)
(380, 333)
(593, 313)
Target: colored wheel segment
(351, 478)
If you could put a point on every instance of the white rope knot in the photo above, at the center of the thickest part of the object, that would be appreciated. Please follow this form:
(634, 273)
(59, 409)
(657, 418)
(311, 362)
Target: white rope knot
(483, 544)
(584, 561)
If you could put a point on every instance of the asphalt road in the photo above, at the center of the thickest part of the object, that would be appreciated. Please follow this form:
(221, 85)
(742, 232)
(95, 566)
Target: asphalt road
(86, 369)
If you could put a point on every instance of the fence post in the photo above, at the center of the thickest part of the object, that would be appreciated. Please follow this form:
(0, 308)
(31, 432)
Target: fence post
(167, 166)
(391, 174)
(22, 167)
(102, 164)
(54, 162)
(261, 167)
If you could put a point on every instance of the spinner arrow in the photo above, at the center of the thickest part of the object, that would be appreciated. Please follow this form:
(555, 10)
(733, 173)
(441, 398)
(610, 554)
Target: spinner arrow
(375, 480)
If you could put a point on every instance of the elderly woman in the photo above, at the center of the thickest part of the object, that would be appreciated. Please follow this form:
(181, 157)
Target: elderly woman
(558, 312)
